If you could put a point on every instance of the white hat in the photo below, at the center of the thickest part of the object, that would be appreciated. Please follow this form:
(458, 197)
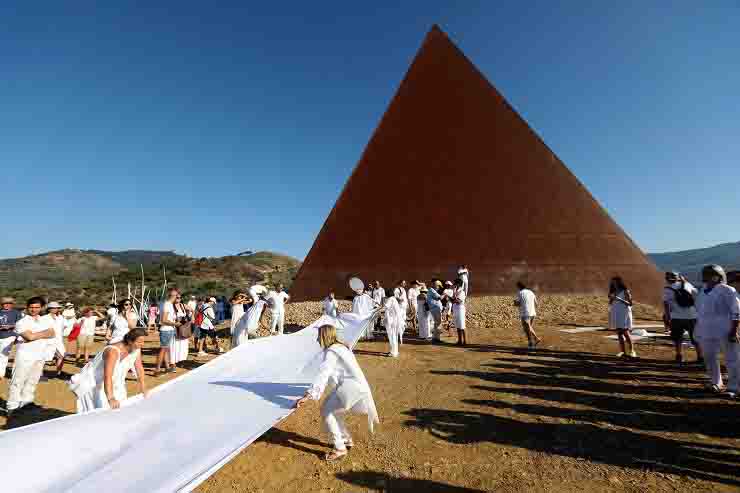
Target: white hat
(69, 305)
(212, 299)
(53, 304)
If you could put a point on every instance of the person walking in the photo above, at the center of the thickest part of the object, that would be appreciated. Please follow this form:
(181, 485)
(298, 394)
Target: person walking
(717, 321)
(527, 303)
(679, 313)
(86, 337)
(351, 393)
(30, 356)
(9, 317)
(620, 316)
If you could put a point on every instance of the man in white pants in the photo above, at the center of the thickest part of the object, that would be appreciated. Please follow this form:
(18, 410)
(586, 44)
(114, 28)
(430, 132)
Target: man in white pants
(718, 317)
(278, 299)
(9, 316)
(29, 357)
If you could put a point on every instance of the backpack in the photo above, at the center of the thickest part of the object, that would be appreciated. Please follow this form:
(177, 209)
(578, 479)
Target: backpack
(199, 318)
(684, 299)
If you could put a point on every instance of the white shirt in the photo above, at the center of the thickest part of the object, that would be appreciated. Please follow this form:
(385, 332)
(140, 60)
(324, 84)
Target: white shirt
(88, 325)
(715, 310)
(527, 303)
(677, 311)
(400, 294)
(362, 304)
(57, 323)
(192, 304)
(120, 329)
(112, 312)
(168, 310)
(330, 307)
(278, 300)
(413, 296)
(208, 316)
(29, 352)
(69, 313)
(378, 295)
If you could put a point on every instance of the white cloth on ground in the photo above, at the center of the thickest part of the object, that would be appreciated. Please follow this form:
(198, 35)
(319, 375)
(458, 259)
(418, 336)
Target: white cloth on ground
(261, 380)
(89, 384)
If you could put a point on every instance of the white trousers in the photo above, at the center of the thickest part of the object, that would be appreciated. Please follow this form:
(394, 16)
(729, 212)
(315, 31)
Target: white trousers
(711, 348)
(333, 416)
(6, 345)
(277, 321)
(437, 321)
(26, 376)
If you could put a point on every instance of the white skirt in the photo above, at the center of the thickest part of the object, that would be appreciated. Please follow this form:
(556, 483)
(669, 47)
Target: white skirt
(458, 316)
(179, 350)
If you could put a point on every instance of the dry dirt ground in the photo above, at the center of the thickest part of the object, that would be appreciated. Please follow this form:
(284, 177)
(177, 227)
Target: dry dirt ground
(494, 416)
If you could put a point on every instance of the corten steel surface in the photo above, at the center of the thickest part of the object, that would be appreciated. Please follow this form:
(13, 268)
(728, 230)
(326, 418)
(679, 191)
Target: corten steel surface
(454, 175)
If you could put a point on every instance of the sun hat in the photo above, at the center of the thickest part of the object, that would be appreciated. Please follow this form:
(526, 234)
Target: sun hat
(8, 299)
(69, 305)
(54, 304)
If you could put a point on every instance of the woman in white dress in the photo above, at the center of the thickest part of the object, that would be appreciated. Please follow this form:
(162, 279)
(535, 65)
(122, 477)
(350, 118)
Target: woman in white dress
(238, 299)
(179, 347)
(620, 316)
(393, 322)
(403, 303)
(329, 305)
(101, 384)
(351, 392)
(70, 318)
(120, 325)
(458, 311)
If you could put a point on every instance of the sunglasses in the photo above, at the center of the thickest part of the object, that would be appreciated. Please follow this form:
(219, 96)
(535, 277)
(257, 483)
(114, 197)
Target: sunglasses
(127, 304)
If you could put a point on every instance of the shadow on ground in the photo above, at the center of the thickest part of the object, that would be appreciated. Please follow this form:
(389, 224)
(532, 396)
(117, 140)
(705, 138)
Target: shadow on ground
(383, 482)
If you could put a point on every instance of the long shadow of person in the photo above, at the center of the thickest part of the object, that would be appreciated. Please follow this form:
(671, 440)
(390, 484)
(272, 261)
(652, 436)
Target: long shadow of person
(380, 481)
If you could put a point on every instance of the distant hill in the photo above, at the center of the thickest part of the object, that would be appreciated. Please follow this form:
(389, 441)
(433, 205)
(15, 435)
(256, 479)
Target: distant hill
(690, 262)
(84, 276)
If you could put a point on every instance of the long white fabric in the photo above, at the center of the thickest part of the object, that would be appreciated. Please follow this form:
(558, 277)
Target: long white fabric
(185, 431)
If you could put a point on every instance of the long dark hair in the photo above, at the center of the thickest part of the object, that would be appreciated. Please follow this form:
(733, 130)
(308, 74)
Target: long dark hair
(616, 285)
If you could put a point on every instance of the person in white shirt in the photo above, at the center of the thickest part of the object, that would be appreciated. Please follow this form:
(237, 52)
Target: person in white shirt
(329, 305)
(717, 321)
(424, 316)
(111, 315)
(413, 297)
(168, 325)
(70, 318)
(207, 328)
(434, 303)
(277, 300)
(55, 349)
(238, 301)
(30, 356)
(399, 292)
(89, 320)
(464, 274)
(527, 303)
(351, 393)
(620, 316)
(679, 312)
(393, 321)
(458, 311)
(119, 324)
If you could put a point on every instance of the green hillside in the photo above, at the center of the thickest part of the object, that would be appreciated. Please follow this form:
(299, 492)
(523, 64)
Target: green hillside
(690, 262)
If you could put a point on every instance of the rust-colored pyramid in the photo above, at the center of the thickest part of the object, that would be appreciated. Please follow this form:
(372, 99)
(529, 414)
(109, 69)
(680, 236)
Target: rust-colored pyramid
(454, 175)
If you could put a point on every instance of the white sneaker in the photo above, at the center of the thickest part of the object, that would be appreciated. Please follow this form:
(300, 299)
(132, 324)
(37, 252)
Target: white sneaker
(620, 355)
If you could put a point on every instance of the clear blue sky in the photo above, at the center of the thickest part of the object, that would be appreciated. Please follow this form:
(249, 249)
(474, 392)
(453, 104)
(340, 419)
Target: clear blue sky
(210, 129)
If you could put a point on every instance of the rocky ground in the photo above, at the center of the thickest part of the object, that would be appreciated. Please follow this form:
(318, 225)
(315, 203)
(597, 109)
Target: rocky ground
(494, 416)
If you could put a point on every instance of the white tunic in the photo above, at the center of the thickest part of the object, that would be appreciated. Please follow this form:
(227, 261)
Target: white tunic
(55, 345)
(394, 321)
(424, 318)
(340, 368)
(179, 347)
(716, 310)
(378, 295)
(458, 308)
(363, 305)
(237, 310)
(89, 384)
(248, 324)
(413, 296)
(330, 307)
(120, 329)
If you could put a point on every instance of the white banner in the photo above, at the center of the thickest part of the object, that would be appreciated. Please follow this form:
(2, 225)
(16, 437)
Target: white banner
(185, 431)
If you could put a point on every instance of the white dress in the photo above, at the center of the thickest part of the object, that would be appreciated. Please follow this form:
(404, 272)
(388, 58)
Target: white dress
(179, 347)
(248, 324)
(70, 318)
(423, 318)
(620, 314)
(330, 307)
(393, 321)
(458, 309)
(89, 384)
(363, 305)
(237, 310)
(403, 304)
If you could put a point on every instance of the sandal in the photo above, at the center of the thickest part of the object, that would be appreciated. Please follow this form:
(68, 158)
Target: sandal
(335, 455)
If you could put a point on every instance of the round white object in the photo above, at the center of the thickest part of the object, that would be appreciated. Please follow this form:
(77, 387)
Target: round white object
(356, 284)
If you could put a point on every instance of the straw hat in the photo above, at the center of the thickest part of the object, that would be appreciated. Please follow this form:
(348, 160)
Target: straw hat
(54, 304)
(8, 299)
(69, 305)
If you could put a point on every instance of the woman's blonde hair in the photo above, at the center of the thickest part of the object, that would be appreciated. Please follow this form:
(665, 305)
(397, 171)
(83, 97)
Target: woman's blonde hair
(328, 336)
